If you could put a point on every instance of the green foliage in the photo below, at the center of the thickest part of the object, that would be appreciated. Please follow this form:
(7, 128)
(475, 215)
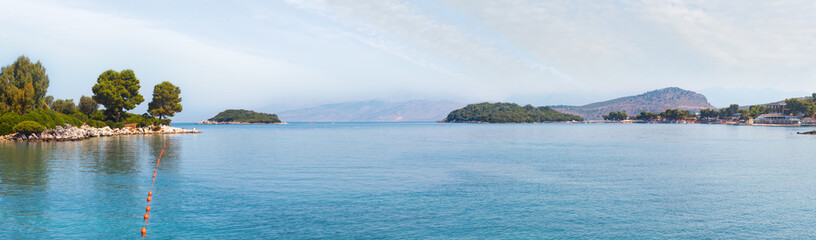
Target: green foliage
(47, 118)
(113, 124)
(675, 114)
(48, 100)
(65, 106)
(709, 113)
(87, 105)
(645, 116)
(8, 121)
(240, 115)
(756, 110)
(117, 91)
(508, 113)
(22, 86)
(96, 123)
(166, 100)
(28, 127)
(145, 120)
(616, 116)
(796, 106)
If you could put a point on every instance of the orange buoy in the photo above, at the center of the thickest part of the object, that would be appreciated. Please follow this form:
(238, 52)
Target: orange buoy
(147, 209)
(154, 171)
(150, 193)
(144, 231)
(148, 198)
(145, 217)
(154, 175)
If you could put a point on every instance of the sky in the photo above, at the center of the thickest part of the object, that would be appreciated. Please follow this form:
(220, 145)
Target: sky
(281, 55)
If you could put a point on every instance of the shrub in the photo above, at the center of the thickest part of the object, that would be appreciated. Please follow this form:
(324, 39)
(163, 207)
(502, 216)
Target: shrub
(8, 121)
(29, 127)
(96, 123)
(113, 124)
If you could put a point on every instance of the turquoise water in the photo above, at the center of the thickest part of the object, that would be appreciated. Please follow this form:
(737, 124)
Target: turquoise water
(417, 180)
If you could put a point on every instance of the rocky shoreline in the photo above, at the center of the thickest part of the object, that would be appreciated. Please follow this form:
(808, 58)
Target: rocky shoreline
(71, 133)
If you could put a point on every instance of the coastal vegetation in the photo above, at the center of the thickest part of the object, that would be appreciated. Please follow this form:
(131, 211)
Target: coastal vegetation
(23, 100)
(508, 113)
(616, 116)
(675, 114)
(166, 101)
(28, 127)
(647, 116)
(243, 116)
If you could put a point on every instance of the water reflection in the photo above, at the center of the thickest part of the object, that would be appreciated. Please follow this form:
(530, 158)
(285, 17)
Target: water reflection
(24, 174)
(171, 151)
(45, 187)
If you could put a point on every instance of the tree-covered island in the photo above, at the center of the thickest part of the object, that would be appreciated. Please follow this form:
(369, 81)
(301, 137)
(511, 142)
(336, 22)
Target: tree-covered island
(507, 113)
(241, 116)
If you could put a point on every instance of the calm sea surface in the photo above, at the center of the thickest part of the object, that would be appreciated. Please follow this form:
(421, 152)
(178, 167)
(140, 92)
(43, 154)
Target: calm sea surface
(417, 180)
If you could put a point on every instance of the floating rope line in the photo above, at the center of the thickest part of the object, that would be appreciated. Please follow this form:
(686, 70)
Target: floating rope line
(150, 193)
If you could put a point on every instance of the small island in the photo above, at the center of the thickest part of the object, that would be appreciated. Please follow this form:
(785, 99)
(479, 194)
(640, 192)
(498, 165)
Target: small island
(507, 113)
(241, 116)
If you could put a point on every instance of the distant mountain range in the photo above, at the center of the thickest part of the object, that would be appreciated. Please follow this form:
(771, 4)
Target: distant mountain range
(373, 111)
(653, 101)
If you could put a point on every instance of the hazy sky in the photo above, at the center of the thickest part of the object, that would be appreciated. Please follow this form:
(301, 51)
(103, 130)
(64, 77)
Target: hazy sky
(279, 55)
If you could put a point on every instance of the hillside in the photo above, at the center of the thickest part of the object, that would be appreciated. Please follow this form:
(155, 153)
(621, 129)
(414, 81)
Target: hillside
(373, 111)
(508, 113)
(653, 101)
(240, 116)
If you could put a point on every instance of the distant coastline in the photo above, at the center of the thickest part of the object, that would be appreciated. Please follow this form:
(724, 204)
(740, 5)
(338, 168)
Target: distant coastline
(233, 122)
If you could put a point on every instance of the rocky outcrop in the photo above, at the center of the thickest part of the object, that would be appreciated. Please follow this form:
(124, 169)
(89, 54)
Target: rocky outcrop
(653, 101)
(70, 133)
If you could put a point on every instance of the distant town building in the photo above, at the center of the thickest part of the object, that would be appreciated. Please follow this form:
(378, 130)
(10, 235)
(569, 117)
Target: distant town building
(777, 107)
(777, 119)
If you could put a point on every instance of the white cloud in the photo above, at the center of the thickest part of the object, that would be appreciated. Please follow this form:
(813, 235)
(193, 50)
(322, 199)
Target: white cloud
(408, 32)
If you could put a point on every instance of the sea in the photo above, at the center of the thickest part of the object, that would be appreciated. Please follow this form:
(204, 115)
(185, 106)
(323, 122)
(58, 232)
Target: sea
(417, 180)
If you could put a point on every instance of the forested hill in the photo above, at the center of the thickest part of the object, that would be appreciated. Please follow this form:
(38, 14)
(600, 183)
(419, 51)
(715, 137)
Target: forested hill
(507, 113)
(242, 116)
(654, 101)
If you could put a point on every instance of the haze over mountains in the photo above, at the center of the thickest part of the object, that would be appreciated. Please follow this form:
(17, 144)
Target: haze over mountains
(421, 110)
(653, 101)
(373, 111)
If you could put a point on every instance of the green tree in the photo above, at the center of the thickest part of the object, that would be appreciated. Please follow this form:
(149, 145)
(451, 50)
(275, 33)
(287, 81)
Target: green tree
(23, 85)
(49, 100)
(796, 106)
(756, 110)
(87, 105)
(64, 106)
(675, 114)
(644, 115)
(166, 100)
(709, 113)
(732, 109)
(117, 91)
(616, 116)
